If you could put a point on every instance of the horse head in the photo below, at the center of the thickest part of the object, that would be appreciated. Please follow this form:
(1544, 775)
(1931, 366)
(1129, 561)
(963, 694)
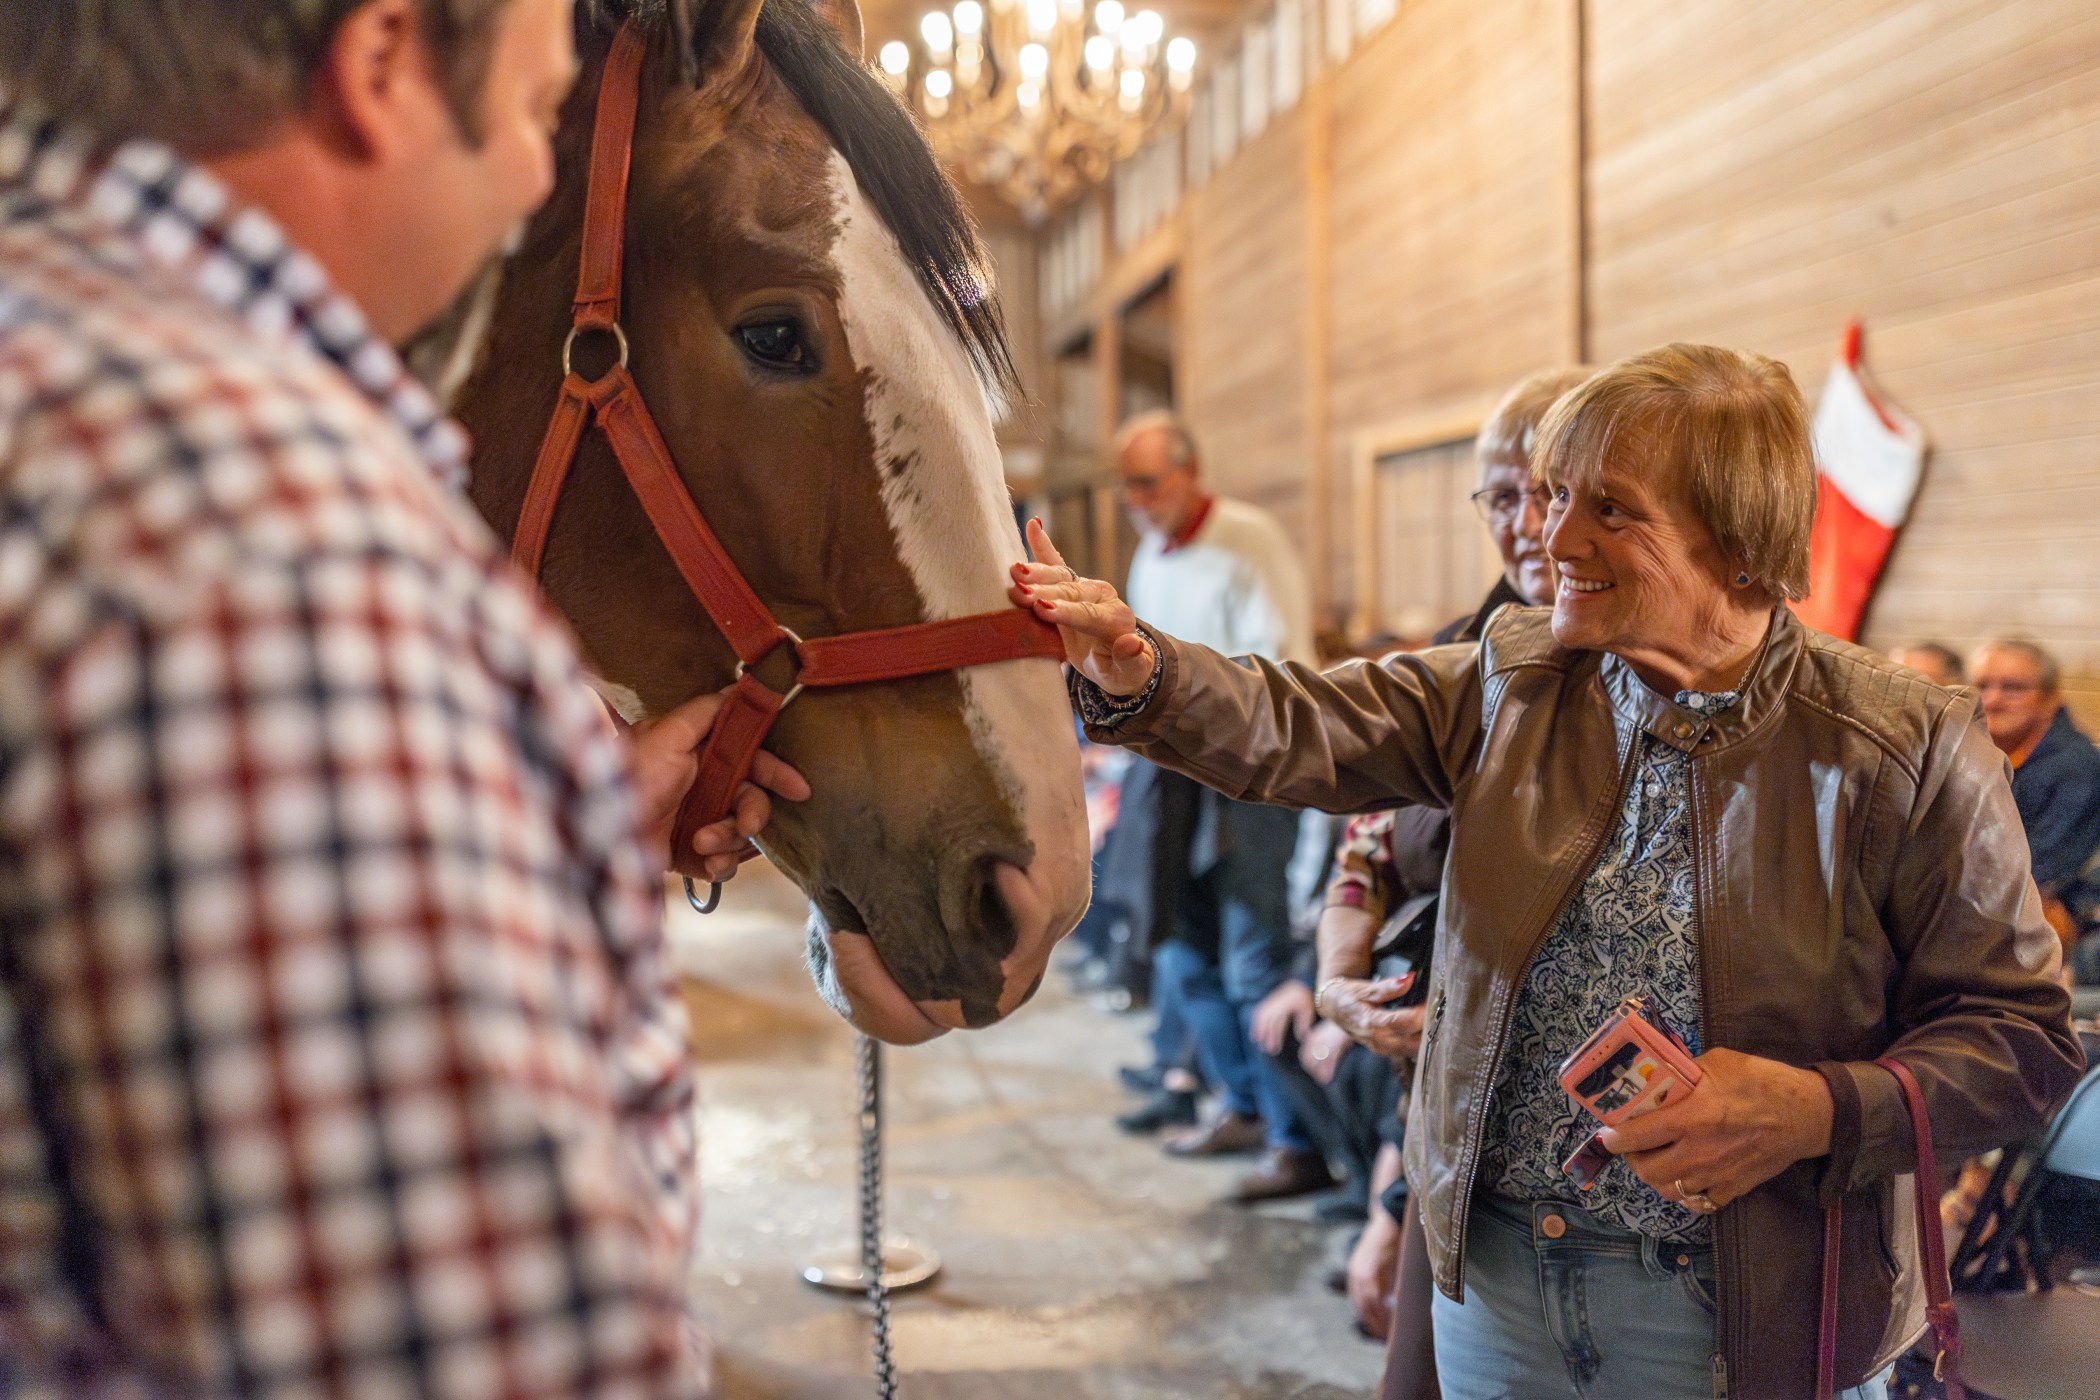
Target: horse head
(809, 315)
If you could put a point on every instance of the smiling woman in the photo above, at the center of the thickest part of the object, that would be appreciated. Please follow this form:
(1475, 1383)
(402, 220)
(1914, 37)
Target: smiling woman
(1803, 857)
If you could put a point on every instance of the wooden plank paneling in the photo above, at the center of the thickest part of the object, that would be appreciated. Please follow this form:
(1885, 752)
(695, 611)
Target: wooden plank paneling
(1241, 290)
(1763, 174)
(1454, 216)
(1491, 177)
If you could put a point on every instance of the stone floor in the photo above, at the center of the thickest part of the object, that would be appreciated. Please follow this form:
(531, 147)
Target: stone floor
(1081, 1265)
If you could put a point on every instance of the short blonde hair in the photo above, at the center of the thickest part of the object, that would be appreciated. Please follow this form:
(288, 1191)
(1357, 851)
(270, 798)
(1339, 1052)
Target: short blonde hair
(1512, 426)
(1731, 427)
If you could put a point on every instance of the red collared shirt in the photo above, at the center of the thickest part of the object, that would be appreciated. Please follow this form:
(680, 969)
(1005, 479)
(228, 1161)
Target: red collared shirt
(339, 1048)
(1182, 538)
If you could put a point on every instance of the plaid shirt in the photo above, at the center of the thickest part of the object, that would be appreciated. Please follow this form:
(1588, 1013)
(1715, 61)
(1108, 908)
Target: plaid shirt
(1364, 874)
(339, 1050)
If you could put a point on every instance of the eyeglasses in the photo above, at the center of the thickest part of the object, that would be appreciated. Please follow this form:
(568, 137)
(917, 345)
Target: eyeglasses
(1145, 483)
(1498, 505)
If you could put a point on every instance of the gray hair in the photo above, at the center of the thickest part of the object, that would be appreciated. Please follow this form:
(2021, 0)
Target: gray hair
(1512, 426)
(1181, 443)
(2050, 672)
(210, 76)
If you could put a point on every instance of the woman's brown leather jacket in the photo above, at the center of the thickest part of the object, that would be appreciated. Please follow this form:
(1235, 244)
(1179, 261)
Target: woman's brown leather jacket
(1863, 889)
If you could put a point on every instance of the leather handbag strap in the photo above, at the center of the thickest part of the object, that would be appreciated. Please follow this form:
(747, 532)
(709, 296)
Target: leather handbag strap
(1932, 1244)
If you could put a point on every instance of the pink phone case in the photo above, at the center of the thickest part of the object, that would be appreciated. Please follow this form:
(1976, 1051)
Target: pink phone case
(1630, 1066)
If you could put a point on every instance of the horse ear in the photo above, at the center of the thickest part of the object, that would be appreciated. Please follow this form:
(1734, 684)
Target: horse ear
(844, 18)
(723, 35)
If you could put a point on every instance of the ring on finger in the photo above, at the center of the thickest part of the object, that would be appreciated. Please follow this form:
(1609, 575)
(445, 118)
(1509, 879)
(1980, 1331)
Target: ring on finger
(1697, 1200)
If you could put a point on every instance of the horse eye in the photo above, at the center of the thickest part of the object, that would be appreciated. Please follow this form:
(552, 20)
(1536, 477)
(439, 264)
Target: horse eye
(775, 344)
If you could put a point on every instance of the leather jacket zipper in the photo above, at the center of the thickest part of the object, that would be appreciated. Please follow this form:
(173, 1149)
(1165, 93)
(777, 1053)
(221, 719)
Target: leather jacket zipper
(1476, 1131)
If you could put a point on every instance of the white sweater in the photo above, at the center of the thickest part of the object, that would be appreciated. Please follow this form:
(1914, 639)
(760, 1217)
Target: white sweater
(1237, 587)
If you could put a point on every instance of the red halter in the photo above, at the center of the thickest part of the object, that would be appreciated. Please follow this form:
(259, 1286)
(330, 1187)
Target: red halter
(614, 402)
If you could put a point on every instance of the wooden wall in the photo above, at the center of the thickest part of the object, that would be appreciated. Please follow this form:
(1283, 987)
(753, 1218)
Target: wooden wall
(1240, 294)
(1488, 187)
(1762, 174)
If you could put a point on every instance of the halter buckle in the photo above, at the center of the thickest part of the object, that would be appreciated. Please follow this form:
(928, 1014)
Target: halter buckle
(568, 345)
(788, 637)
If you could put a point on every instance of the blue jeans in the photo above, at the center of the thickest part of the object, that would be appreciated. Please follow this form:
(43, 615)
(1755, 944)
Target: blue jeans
(1580, 1311)
(1245, 1081)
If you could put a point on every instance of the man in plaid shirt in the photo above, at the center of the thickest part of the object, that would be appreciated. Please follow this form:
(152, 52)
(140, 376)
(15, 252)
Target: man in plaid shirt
(339, 1051)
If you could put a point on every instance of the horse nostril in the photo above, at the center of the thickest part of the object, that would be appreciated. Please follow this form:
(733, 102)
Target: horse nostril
(991, 920)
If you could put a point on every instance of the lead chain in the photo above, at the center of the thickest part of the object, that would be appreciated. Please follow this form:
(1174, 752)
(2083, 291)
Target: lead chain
(869, 1054)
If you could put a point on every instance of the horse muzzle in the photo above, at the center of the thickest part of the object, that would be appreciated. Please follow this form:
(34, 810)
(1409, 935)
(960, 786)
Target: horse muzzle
(926, 996)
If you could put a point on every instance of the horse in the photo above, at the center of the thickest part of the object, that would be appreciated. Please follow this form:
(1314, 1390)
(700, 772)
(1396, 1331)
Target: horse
(809, 313)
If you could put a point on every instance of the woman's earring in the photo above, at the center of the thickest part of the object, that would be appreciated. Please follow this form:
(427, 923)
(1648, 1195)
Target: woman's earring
(1742, 580)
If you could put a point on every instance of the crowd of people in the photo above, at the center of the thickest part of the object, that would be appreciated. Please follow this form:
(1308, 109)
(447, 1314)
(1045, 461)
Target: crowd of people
(1286, 968)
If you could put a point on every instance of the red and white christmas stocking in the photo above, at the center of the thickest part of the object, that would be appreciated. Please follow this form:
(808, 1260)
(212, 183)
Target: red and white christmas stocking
(1869, 460)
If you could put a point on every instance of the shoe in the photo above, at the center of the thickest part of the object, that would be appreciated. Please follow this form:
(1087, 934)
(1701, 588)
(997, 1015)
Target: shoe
(1227, 1133)
(1142, 1079)
(1165, 1109)
(1282, 1174)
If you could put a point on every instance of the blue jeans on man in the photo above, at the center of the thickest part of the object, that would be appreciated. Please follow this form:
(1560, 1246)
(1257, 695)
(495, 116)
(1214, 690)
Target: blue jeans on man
(1234, 949)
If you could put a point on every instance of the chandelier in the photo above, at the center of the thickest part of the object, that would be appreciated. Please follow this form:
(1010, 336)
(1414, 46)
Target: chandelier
(1035, 99)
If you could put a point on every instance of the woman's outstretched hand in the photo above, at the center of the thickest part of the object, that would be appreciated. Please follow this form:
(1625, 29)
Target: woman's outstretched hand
(1101, 637)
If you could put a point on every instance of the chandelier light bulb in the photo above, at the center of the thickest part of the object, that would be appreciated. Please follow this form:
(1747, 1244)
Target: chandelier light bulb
(1118, 82)
(896, 58)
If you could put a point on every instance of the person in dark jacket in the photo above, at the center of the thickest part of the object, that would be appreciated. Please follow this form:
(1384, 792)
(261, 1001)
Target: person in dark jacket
(2056, 779)
(1390, 858)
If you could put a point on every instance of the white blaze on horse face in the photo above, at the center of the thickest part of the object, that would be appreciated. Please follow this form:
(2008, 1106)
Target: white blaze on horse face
(944, 491)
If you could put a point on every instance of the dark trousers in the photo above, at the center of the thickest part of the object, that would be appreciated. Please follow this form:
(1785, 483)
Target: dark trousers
(1348, 1117)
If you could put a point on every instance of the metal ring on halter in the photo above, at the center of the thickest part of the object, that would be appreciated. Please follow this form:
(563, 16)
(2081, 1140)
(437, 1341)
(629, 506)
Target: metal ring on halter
(714, 896)
(568, 345)
(788, 635)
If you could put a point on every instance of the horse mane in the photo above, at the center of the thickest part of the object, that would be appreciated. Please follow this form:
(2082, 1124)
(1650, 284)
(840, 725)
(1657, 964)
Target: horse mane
(887, 151)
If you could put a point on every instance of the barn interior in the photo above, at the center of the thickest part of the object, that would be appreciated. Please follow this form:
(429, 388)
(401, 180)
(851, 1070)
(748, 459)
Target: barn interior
(1344, 232)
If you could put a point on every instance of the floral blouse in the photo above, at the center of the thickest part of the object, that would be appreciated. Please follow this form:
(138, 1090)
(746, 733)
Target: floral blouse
(1631, 929)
